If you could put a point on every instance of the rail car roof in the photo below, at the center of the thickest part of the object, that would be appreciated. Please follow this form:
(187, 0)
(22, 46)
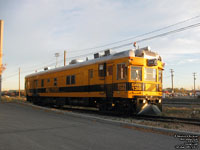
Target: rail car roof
(123, 54)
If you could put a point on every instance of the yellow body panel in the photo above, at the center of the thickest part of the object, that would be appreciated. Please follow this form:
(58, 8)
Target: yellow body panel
(82, 79)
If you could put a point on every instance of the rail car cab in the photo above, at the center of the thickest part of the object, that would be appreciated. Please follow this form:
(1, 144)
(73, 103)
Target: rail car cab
(145, 80)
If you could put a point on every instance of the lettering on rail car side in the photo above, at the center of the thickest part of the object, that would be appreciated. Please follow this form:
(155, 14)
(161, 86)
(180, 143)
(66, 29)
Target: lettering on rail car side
(136, 86)
(121, 87)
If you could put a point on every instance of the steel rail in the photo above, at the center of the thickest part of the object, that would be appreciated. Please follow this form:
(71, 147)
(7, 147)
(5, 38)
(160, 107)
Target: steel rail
(91, 110)
(192, 121)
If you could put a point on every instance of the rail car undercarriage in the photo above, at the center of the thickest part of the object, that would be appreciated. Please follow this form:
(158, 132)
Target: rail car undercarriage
(138, 105)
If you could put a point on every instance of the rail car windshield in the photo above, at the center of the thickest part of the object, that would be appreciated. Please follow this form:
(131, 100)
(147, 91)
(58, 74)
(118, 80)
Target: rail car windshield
(150, 74)
(136, 73)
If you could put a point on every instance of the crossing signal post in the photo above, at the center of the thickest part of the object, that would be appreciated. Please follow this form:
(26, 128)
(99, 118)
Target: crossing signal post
(1, 49)
(172, 78)
(194, 75)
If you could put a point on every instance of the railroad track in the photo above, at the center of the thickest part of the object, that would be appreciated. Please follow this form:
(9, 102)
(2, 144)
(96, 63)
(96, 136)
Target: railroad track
(181, 103)
(94, 111)
(191, 121)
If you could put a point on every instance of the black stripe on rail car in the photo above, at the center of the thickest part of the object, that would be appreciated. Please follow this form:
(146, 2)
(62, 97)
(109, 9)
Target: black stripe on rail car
(126, 86)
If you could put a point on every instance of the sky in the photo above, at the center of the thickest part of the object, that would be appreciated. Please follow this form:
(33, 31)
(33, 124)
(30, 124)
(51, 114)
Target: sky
(34, 30)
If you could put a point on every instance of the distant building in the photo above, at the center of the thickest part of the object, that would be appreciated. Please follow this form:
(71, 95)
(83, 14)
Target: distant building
(198, 92)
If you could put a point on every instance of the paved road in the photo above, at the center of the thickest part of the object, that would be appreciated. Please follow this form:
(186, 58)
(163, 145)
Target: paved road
(23, 127)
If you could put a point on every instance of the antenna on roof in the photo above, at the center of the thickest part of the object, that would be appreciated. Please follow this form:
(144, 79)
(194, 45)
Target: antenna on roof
(135, 45)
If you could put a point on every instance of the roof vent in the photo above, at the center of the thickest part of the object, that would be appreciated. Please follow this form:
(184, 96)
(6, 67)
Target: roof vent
(96, 55)
(75, 61)
(46, 68)
(107, 52)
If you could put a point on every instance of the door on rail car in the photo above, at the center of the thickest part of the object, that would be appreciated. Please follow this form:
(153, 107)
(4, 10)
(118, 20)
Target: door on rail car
(90, 79)
(35, 85)
(109, 81)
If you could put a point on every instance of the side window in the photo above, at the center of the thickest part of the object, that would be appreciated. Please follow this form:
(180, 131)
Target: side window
(73, 79)
(101, 70)
(160, 76)
(110, 71)
(90, 73)
(68, 80)
(32, 86)
(35, 83)
(28, 84)
(42, 83)
(48, 80)
(55, 81)
(121, 71)
(136, 73)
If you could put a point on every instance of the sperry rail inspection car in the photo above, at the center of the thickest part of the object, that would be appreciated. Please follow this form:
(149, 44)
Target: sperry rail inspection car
(125, 81)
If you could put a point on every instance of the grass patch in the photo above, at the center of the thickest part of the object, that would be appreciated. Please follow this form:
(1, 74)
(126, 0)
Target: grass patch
(182, 112)
(12, 99)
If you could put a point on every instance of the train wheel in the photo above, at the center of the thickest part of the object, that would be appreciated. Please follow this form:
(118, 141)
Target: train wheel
(60, 102)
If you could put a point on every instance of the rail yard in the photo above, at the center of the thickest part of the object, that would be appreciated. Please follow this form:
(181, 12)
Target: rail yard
(109, 90)
(123, 89)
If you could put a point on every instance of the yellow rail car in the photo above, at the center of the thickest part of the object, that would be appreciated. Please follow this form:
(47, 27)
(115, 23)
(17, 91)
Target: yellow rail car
(126, 81)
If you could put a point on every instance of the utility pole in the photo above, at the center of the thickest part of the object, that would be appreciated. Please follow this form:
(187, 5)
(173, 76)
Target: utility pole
(64, 57)
(57, 55)
(1, 51)
(19, 82)
(194, 74)
(172, 78)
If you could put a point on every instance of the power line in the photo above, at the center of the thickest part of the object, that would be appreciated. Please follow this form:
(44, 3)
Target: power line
(138, 41)
(141, 35)
(149, 38)
(160, 35)
(45, 63)
(186, 20)
(10, 76)
(170, 32)
(141, 40)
